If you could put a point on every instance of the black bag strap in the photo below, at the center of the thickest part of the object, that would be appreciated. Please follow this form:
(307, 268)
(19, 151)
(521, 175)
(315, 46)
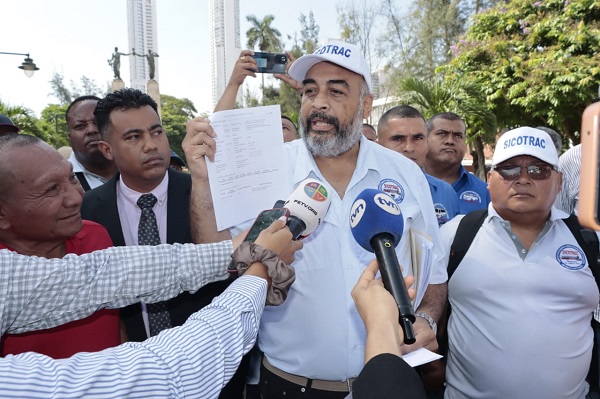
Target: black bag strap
(83, 181)
(465, 234)
(588, 241)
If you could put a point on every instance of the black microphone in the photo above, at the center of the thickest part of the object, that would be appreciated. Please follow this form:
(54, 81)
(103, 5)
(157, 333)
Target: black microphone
(377, 225)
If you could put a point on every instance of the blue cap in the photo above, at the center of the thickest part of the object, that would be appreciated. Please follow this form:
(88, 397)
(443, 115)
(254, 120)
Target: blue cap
(177, 159)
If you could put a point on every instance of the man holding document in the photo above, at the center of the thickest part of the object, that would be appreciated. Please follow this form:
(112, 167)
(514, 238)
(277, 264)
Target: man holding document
(314, 344)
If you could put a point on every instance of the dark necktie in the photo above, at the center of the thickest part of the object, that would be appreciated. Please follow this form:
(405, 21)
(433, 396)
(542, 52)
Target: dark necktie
(158, 313)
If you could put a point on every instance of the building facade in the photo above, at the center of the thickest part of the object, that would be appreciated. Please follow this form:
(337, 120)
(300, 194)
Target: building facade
(225, 44)
(141, 26)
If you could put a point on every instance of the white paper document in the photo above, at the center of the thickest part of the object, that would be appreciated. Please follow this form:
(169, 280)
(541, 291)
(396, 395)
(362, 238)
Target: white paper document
(247, 174)
(421, 248)
(420, 356)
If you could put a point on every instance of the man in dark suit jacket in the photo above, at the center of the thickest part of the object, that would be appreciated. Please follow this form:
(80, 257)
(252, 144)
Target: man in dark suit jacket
(132, 136)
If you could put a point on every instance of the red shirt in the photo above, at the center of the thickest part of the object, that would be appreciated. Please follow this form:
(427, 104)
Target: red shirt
(94, 333)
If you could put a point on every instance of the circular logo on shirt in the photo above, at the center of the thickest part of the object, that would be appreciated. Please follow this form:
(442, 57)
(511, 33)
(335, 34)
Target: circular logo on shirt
(441, 213)
(393, 189)
(471, 197)
(570, 257)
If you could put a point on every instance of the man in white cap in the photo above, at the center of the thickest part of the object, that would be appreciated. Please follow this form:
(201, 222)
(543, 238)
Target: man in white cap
(523, 296)
(316, 347)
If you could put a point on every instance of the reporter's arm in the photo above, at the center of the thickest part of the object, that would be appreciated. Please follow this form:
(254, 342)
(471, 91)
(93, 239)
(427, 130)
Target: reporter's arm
(194, 360)
(39, 293)
(387, 376)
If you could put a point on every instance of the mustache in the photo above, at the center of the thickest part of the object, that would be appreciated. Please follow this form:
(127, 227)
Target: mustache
(324, 117)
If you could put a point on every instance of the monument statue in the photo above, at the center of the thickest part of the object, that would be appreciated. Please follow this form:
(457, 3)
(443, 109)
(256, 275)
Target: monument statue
(151, 63)
(115, 63)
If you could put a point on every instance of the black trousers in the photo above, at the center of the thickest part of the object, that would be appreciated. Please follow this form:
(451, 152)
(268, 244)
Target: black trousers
(274, 387)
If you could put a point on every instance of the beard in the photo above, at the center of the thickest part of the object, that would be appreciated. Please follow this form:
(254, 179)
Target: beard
(345, 137)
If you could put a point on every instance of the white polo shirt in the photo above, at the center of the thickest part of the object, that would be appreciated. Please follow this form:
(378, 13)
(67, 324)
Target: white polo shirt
(93, 179)
(520, 321)
(317, 332)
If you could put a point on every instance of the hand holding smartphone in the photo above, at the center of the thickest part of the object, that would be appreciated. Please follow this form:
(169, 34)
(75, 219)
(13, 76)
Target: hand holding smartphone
(264, 220)
(588, 209)
(270, 62)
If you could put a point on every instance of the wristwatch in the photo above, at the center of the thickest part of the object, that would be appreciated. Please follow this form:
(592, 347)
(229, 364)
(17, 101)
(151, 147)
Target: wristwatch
(431, 322)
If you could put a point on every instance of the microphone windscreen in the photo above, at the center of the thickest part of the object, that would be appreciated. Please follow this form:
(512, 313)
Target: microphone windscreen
(372, 213)
(309, 202)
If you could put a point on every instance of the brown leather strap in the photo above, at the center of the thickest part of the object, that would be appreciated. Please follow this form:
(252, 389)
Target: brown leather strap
(323, 385)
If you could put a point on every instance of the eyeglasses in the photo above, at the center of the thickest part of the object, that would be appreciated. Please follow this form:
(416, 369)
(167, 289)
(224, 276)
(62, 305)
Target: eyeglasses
(536, 172)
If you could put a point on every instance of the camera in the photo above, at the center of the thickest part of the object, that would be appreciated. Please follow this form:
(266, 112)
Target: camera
(270, 62)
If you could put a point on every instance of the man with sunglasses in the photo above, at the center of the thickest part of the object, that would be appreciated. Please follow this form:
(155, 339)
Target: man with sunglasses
(523, 296)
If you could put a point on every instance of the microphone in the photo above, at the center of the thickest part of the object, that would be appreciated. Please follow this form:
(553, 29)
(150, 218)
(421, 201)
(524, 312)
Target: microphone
(377, 225)
(308, 205)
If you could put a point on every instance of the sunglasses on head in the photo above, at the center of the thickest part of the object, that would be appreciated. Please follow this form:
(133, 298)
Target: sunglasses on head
(535, 172)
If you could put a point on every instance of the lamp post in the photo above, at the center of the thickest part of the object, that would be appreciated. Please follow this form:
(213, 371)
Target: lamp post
(28, 66)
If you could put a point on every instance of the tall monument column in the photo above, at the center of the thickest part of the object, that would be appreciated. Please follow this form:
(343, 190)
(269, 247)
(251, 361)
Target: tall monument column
(153, 91)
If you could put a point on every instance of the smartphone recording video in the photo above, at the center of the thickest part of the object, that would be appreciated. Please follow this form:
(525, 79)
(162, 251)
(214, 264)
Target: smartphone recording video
(264, 220)
(270, 62)
(588, 211)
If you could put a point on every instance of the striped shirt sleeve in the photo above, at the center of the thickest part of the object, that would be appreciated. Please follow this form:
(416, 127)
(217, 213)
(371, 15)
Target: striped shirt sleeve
(569, 164)
(192, 361)
(39, 293)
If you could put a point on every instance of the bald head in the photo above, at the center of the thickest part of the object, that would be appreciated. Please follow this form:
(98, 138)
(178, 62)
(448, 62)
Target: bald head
(7, 143)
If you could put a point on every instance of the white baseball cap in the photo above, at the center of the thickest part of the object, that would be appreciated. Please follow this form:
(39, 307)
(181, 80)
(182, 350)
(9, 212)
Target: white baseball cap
(525, 141)
(344, 54)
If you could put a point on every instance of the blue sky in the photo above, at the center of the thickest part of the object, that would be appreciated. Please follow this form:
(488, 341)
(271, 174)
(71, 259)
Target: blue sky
(76, 37)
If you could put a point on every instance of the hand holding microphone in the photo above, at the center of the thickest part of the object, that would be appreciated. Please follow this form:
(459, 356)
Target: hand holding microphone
(308, 205)
(377, 225)
(305, 210)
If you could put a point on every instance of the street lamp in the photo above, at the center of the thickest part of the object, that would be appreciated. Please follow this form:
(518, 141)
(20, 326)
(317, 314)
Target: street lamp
(28, 66)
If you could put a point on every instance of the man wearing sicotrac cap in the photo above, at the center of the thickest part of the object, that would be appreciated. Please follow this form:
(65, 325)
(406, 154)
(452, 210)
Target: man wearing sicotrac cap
(523, 296)
(314, 346)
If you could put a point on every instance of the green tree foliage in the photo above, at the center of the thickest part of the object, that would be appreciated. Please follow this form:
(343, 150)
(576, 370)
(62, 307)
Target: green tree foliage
(463, 97)
(23, 118)
(309, 33)
(175, 112)
(65, 95)
(418, 42)
(538, 62)
(54, 125)
(357, 19)
(262, 34)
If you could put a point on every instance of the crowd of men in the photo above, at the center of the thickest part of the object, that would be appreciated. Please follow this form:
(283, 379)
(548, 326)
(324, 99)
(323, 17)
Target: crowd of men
(523, 294)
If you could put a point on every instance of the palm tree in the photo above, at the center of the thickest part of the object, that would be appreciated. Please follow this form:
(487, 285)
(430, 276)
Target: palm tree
(265, 36)
(22, 117)
(463, 97)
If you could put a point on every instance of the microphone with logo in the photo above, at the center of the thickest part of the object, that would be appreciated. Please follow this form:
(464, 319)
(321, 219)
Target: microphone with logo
(305, 209)
(377, 225)
(307, 204)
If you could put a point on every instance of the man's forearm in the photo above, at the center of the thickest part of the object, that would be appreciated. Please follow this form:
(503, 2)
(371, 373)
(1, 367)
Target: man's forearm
(434, 300)
(194, 360)
(203, 222)
(39, 293)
